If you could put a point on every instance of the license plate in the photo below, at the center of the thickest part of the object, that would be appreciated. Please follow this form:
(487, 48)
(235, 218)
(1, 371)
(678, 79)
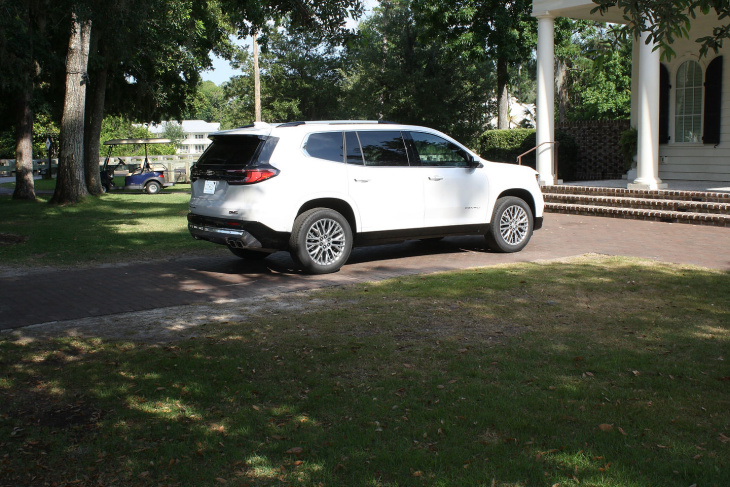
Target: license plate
(209, 187)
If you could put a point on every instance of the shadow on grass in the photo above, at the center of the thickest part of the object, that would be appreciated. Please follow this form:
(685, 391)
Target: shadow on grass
(147, 233)
(604, 372)
(133, 227)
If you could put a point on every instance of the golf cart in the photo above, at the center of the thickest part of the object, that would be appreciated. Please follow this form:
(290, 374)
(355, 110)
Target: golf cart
(145, 177)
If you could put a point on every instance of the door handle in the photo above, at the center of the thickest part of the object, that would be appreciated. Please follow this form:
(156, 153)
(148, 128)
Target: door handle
(435, 178)
(362, 180)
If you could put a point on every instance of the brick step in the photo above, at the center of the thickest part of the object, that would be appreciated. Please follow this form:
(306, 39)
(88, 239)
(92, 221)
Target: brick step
(640, 203)
(640, 214)
(662, 194)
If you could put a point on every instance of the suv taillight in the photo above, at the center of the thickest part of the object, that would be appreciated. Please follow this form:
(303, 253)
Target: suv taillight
(249, 176)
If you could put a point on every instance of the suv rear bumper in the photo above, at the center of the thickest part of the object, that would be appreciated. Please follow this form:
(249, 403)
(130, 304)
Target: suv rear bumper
(236, 233)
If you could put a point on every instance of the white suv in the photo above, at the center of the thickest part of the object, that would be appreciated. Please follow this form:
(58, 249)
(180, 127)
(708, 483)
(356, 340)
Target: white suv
(317, 189)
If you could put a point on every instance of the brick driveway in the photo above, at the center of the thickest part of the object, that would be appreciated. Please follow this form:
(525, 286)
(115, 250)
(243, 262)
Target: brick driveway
(46, 296)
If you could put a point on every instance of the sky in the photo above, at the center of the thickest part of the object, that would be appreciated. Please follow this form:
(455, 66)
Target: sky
(222, 70)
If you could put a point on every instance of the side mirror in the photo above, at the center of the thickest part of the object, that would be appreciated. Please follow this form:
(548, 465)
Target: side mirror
(475, 163)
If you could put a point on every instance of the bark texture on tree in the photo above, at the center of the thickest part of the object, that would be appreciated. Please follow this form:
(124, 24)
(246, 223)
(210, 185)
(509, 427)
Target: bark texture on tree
(256, 79)
(95, 99)
(24, 186)
(561, 81)
(70, 183)
(502, 95)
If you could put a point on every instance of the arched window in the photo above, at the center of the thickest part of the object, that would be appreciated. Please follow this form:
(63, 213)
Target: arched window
(688, 121)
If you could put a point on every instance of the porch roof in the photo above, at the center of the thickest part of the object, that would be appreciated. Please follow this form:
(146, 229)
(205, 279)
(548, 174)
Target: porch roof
(575, 9)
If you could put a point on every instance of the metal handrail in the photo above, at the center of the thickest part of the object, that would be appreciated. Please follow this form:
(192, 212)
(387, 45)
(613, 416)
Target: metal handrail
(555, 155)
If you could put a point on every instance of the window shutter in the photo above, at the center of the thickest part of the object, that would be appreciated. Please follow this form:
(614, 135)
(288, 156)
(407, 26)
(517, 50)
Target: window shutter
(713, 99)
(663, 104)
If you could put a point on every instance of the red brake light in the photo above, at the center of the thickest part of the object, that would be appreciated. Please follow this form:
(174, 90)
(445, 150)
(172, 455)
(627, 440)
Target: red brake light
(250, 176)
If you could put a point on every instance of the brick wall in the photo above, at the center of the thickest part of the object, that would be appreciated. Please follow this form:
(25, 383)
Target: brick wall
(599, 153)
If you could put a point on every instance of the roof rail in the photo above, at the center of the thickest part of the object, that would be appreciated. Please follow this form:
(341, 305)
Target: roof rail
(333, 122)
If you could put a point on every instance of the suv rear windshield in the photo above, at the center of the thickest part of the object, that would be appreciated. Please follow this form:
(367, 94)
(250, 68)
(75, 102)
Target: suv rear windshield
(233, 150)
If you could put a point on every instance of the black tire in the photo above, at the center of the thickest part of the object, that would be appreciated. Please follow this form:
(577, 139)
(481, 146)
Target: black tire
(104, 189)
(153, 187)
(321, 240)
(248, 254)
(511, 226)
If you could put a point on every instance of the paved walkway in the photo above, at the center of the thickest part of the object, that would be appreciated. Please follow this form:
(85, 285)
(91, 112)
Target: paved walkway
(48, 296)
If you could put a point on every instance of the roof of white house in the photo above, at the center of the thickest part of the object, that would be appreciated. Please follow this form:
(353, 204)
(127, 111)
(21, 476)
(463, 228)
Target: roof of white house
(189, 127)
(199, 126)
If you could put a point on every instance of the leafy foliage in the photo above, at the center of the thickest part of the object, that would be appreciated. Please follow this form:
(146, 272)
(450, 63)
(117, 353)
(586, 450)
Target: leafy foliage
(594, 71)
(629, 142)
(286, 78)
(173, 131)
(665, 20)
(400, 70)
(123, 128)
(504, 33)
(207, 104)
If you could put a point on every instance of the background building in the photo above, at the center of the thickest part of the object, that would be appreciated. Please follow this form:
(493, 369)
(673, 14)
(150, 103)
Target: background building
(680, 107)
(195, 132)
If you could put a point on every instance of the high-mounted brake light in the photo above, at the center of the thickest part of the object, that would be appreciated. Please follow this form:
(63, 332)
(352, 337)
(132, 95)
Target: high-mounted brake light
(250, 176)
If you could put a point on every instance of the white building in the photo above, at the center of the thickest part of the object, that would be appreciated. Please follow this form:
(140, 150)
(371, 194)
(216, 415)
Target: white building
(681, 108)
(196, 135)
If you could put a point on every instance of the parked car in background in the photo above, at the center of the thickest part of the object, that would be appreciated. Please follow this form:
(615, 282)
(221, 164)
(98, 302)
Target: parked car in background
(317, 189)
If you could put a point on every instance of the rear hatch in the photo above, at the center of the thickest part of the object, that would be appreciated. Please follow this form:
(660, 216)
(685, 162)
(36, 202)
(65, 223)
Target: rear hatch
(231, 163)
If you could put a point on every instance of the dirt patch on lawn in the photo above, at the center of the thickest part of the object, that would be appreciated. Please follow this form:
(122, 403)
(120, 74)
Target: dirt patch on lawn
(12, 239)
(164, 325)
(167, 325)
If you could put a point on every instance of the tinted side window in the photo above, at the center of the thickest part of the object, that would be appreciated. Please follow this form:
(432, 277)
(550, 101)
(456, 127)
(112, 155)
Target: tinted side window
(436, 151)
(327, 145)
(232, 150)
(383, 148)
(354, 153)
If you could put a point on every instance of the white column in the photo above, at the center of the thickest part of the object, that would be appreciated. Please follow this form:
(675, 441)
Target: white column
(648, 119)
(545, 98)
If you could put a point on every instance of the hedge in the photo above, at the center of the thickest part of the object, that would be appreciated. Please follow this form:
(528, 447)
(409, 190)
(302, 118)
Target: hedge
(506, 145)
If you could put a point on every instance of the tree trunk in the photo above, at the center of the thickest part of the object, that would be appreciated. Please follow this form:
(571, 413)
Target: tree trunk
(502, 95)
(256, 79)
(24, 186)
(70, 184)
(562, 71)
(95, 99)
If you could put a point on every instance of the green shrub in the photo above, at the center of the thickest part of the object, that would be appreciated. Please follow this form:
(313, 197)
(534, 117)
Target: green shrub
(629, 142)
(567, 156)
(507, 145)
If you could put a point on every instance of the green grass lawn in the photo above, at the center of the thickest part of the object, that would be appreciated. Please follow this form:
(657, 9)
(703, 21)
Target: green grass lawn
(119, 226)
(50, 185)
(595, 372)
